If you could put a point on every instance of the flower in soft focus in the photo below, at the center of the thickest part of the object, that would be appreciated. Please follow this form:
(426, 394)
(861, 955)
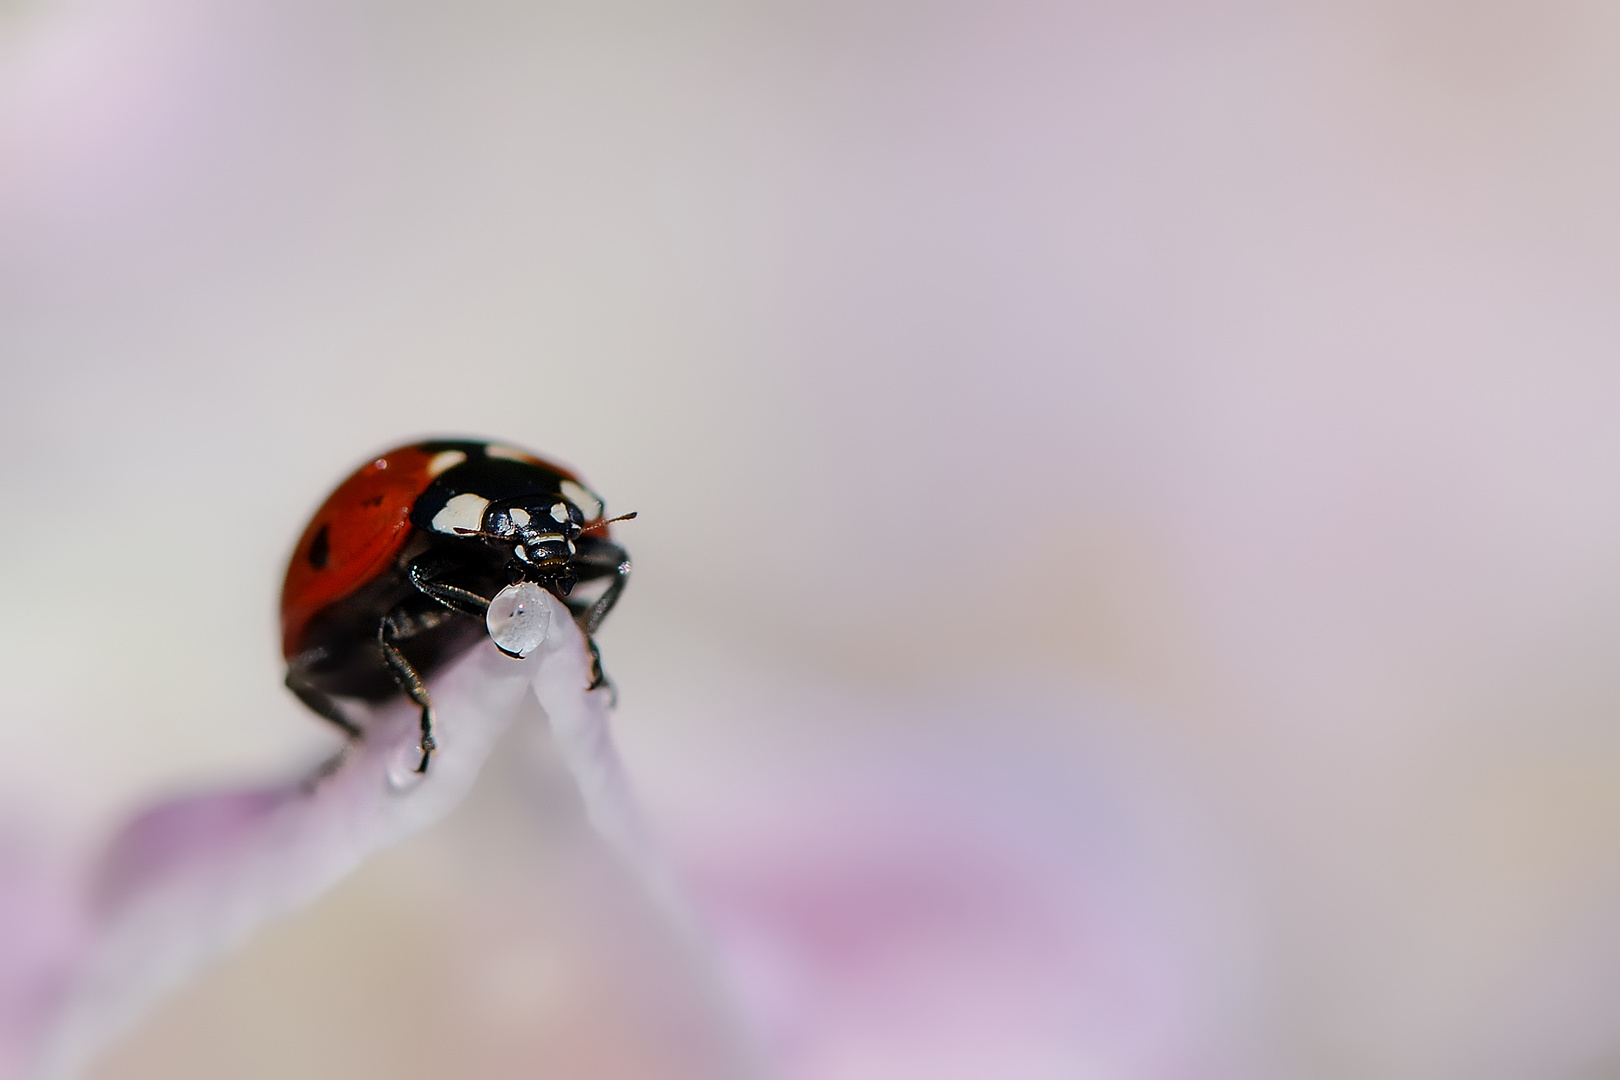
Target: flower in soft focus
(953, 903)
(872, 908)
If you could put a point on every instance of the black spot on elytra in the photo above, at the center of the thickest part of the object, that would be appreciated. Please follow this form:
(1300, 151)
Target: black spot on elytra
(375, 500)
(320, 549)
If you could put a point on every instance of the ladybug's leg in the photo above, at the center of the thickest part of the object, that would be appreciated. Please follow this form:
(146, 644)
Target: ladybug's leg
(600, 677)
(596, 559)
(394, 626)
(319, 701)
(456, 599)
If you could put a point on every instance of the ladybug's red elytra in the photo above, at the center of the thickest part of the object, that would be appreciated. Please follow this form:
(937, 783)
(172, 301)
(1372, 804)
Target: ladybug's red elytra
(393, 577)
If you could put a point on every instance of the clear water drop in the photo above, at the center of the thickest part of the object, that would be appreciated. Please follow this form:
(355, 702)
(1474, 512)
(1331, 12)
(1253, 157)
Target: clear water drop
(402, 765)
(519, 618)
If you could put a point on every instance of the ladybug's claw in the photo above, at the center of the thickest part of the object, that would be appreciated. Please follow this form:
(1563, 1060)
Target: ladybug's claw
(599, 678)
(428, 745)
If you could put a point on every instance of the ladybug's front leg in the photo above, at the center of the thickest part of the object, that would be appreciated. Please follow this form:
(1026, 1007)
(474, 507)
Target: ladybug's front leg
(397, 624)
(465, 601)
(597, 559)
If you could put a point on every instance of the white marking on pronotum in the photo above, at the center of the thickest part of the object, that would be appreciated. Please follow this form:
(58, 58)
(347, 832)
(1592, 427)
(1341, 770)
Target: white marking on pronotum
(559, 511)
(582, 498)
(464, 513)
(521, 552)
(510, 453)
(519, 515)
(445, 459)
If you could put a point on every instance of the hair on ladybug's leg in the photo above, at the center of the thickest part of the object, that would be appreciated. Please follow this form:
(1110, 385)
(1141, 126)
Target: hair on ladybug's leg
(406, 676)
(319, 701)
(457, 599)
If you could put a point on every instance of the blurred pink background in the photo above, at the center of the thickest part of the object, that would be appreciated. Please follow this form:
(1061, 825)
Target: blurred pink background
(1205, 411)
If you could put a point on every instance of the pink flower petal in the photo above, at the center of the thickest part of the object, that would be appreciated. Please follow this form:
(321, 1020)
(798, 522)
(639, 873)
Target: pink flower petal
(960, 908)
(191, 879)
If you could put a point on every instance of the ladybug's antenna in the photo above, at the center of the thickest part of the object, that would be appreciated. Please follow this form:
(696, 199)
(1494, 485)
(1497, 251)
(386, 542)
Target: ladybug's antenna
(609, 521)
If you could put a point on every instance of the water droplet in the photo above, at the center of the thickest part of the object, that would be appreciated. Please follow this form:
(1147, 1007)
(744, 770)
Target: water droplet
(519, 618)
(402, 766)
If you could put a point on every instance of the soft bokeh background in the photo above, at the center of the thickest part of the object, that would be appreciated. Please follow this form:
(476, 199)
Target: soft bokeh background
(1214, 402)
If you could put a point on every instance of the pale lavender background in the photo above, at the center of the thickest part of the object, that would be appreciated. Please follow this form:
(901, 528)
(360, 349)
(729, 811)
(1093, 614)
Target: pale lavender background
(1251, 367)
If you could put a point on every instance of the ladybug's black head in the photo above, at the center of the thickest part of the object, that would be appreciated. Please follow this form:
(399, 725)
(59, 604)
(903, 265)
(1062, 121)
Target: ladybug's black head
(541, 530)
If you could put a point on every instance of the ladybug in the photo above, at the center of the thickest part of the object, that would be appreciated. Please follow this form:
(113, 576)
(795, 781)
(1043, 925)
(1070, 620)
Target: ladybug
(393, 577)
